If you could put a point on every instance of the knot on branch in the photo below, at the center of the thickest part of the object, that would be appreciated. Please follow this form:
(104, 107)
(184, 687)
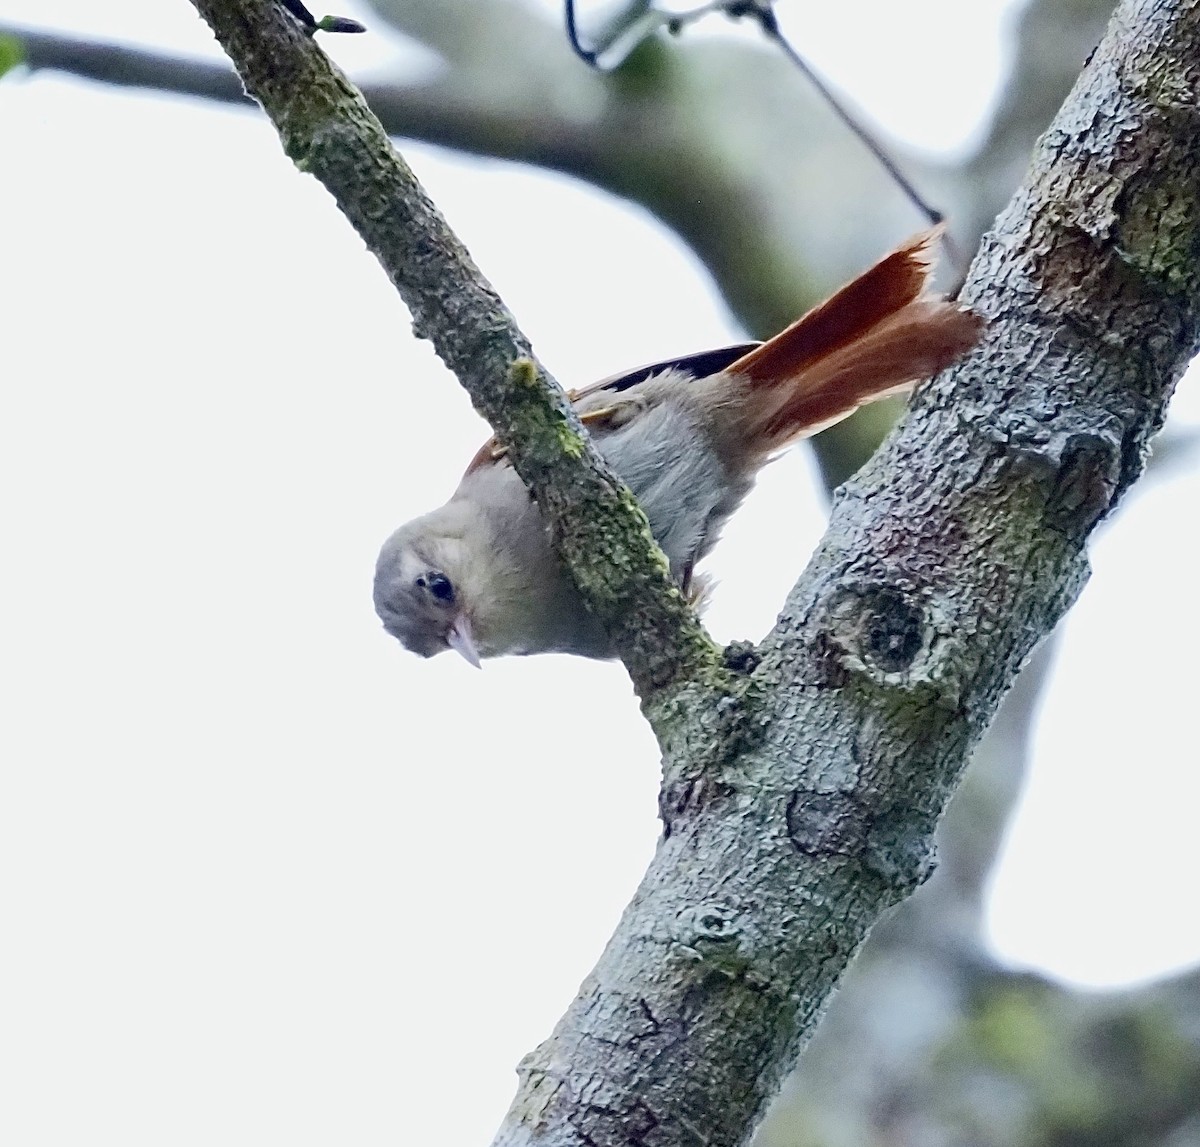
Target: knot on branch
(891, 632)
(1077, 458)
(900, 850)
(710, 932)
(1085, 487)
(741, 657)
(893, 844)
(825, 824)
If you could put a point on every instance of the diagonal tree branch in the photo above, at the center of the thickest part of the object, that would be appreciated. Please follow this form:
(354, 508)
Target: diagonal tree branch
(944, 564)
(328, 130)
(802, 805)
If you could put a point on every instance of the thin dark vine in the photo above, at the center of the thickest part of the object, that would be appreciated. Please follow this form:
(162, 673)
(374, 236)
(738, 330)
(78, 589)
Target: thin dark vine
(763, 14)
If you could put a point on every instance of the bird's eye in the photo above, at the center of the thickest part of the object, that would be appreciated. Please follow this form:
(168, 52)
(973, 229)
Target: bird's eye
(440, 587)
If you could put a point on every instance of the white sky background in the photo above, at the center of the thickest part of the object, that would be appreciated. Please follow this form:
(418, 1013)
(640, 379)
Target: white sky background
(256, 862)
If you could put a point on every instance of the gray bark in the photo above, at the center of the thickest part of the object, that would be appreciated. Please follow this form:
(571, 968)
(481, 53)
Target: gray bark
(802, 784)
(946, 561)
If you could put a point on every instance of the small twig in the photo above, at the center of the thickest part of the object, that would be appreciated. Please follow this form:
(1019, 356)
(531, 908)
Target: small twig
(588, 56)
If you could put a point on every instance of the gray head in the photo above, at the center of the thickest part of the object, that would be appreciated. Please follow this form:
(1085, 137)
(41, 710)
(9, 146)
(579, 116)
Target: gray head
(422, 586)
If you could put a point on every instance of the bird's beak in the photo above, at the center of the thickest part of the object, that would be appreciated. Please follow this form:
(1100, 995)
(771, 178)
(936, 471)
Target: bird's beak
(461, 640)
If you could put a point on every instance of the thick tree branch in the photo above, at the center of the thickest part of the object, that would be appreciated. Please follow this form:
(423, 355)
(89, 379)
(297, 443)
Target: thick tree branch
(944, 564)
(327, 129)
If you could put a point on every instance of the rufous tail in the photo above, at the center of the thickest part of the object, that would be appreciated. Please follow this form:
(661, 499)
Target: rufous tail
(879, 335)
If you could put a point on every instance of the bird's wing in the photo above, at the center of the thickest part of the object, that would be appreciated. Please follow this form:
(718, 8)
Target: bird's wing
(691, 366)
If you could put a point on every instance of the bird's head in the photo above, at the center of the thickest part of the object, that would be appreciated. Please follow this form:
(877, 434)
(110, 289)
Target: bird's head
(423, 586)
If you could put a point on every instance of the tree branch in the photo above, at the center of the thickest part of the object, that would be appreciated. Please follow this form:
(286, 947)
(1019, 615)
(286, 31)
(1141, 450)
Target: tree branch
(945, 563)
(328, 130)
(803, 804)
(123, 66)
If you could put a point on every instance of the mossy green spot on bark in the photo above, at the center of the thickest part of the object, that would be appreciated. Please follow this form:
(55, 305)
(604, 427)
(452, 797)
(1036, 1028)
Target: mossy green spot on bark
(523, 372)
(1161, 240)
(547, 432)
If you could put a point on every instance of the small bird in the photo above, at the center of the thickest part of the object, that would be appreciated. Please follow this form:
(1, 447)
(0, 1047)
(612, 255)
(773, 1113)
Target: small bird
(688, 436)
